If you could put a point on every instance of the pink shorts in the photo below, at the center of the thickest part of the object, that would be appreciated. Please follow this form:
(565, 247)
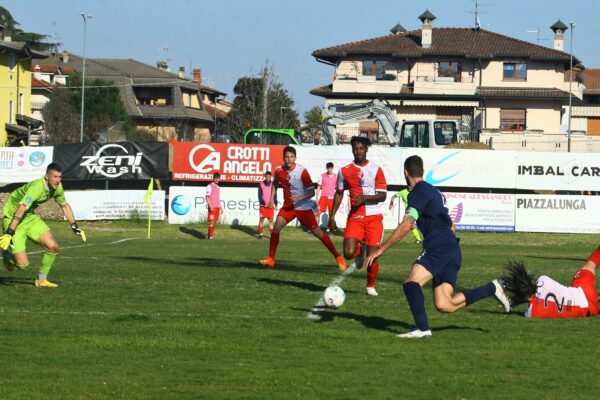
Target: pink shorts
(266, 212)
(325, 204)
(306, 217)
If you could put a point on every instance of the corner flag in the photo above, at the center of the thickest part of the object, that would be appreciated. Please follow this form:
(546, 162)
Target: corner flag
(148, 200)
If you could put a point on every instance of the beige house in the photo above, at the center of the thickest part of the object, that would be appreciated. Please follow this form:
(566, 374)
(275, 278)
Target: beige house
(493, 84)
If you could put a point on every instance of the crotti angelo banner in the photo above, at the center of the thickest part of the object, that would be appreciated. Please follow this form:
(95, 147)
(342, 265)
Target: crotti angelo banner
(125, 160)
(235, 162)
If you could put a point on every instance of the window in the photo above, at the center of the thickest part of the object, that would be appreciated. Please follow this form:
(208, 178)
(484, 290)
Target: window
(515, 71)
(512, 119)
(415, 134)
(374, 68)
(12, 62)
(449, 69)
(10, 111)
(444, 132)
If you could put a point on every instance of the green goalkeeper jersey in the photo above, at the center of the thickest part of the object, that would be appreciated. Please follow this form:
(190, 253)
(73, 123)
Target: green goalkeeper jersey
(32, 195)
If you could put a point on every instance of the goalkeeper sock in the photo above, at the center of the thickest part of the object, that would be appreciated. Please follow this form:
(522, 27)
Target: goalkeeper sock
(595, 257)
(416, 301)
(47, 262)
(473, 295)
(273, 243)
(372, 271)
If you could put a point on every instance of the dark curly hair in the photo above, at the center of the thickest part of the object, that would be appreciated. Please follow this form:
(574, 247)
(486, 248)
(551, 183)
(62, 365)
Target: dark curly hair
(519, 283)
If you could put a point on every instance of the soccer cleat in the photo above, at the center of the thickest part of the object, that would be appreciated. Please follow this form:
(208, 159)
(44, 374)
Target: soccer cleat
(359, 261)
(341, 263)
(268, 262)
(500, 295)
(418, 241)
(45, 283)
(10, 267)
(415, 334)
(371, 291)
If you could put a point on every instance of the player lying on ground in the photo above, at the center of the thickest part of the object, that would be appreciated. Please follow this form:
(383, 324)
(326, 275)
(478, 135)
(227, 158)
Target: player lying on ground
(549, 299)
(298, 190)
(441, 258)
(21, 222)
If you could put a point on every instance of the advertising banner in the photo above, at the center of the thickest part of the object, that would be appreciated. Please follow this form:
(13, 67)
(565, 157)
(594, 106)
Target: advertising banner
(125, 160)
(568, 214)
(115, 204)
(240, 206)
(557, 171)
(23, 164)
(482, 211)
(235, 162)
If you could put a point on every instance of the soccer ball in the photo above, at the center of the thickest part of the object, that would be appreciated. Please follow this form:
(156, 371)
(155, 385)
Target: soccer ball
(334, 297)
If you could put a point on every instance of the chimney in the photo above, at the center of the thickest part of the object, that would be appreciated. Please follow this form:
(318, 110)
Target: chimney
(181, 73)
(197, 75)
(396, 30)
(426, 30)
(7, 36)
(162, 65)
(37, 72)
(559, 29)
(65, 57)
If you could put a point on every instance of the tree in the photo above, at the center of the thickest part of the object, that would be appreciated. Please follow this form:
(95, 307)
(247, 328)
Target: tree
(247, 111)
(36, 41)
(313, 117)
(61, 121)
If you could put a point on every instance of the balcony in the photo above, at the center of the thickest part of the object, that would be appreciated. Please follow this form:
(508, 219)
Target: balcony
(389, 83)
(462, 84)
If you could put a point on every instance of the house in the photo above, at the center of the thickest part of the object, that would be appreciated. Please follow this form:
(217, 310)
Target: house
(492, 83)
(585, 117)
(16, 123)
(166, 104)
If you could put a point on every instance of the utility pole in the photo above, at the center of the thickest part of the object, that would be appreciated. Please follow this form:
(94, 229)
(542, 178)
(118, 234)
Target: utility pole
(85, 20)
(265, 97)
(570, 91)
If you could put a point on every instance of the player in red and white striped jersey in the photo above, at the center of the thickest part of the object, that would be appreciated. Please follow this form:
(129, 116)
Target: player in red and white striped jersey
(549, 299)
(367, 187)
(298, 190)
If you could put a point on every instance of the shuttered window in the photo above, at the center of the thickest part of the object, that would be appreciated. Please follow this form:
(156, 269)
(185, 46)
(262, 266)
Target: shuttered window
(512, 119)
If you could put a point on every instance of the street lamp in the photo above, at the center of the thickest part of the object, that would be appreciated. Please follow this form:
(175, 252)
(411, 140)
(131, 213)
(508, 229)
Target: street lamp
(570, 92)
(85, 19)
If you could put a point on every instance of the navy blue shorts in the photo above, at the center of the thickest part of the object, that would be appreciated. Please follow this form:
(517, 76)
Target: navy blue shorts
(444, 266)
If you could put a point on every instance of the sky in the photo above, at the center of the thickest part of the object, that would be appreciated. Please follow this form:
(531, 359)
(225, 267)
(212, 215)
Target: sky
(229, 39)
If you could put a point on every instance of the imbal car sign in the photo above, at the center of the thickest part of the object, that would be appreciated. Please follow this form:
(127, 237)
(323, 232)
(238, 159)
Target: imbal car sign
(235, 162)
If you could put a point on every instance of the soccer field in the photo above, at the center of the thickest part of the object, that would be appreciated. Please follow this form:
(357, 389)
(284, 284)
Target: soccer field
(179, 317)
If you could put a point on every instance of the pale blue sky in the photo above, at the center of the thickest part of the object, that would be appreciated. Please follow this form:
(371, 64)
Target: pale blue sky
(233, 38)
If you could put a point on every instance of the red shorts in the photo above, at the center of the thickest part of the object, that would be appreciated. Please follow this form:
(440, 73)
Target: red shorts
(306, 217)
(266, 212)
(213, 216)
(586, 280)
(325, 204)
(368, 228)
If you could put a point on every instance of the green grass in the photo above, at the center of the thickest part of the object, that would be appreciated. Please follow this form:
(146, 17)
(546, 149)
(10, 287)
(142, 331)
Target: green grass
(178, 317)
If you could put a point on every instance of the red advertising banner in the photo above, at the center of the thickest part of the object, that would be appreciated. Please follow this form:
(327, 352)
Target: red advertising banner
(235, 162)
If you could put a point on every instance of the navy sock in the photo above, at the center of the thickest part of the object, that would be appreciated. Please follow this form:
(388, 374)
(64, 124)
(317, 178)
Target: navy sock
(473, 295)
(416, 301)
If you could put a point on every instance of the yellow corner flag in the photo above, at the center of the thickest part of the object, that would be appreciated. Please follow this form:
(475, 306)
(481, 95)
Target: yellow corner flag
(148, 200)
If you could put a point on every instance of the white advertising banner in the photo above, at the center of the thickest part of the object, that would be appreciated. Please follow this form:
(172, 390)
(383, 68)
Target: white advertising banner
(23, 164)
(115, 204)
(557, 171)
(567, 214)
(482, 211)
(240, 206)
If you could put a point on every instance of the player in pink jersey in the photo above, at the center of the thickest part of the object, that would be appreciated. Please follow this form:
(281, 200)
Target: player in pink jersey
(367, 186)
(298, 190)
(213, 202)
(264, 198)
(548, 298)
(326, 191)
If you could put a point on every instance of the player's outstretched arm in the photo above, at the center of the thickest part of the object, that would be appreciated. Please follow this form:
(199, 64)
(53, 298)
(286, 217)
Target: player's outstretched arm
(68, 213)
(398, 234)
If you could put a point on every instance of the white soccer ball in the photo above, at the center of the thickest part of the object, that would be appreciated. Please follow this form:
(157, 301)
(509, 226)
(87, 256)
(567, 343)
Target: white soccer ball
(334, 297)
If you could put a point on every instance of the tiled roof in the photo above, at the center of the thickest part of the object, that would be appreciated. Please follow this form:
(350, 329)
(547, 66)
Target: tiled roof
(322, 90)
(591, 80)
(460, 42)
(37, 83)
(211, 111)
(21, 48)
(52, 68)
(542, 93)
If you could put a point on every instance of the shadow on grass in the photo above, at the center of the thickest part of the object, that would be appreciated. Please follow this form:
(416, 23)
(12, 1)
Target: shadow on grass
(250, 231)
(311, 287)
(8, 281)
(379, 323)
(192, 232)
(582, 260)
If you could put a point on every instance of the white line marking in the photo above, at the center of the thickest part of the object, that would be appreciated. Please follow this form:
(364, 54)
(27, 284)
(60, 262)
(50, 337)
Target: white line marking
(86, 245)
(315, 313)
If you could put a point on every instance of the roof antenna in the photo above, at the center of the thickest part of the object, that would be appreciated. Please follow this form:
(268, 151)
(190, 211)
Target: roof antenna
(477, 12)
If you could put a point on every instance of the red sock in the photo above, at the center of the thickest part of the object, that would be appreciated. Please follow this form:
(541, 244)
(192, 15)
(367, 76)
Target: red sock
(260, 229)
(211, 231)
(595, 257)
(273, 243)
(358, 250)
(372, 274)
(330, 246)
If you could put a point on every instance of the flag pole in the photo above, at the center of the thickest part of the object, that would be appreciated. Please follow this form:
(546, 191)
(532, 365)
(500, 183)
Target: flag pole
(148, 200)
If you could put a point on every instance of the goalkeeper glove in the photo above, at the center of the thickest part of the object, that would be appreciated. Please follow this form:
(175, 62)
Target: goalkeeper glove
(78, 231)
(6, 239)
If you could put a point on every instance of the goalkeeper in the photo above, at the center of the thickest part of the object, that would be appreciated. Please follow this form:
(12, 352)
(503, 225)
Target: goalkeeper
(403, 194)
(21, 222)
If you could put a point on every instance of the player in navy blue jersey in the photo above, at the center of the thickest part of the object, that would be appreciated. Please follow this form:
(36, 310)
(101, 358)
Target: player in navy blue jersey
(441, 258)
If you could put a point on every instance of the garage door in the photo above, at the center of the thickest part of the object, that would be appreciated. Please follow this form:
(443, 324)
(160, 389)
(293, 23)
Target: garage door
(593, 126)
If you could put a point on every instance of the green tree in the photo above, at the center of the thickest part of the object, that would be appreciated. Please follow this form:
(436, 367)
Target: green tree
(36, 41)
(313, 118)
(247, 111)
(61, 119)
